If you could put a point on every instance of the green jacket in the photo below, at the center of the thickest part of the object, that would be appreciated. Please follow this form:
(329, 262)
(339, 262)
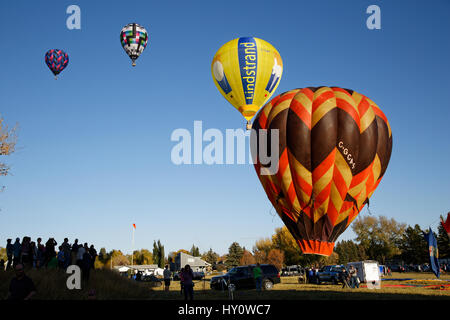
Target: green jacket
(257, 272)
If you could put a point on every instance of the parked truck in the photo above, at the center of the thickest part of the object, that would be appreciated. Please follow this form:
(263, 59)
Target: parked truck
(330, 274)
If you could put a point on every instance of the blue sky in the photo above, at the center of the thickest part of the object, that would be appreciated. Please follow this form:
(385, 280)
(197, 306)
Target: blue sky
(94, 146)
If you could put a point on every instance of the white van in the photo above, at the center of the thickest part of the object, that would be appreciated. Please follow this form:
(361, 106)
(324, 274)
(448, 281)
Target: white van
(368, 270)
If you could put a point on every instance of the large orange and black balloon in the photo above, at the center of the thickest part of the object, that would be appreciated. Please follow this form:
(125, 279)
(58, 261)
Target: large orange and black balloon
(334, 148)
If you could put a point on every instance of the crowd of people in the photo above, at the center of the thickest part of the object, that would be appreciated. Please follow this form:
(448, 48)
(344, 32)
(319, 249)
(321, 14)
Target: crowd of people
(27, 254)
(38, 255)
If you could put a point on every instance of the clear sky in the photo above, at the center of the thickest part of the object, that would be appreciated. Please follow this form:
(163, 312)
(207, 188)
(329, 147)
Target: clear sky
(94, 148)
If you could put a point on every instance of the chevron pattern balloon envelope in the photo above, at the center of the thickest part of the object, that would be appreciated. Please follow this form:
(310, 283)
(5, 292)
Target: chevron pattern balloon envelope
(334, 148)
(57, 60)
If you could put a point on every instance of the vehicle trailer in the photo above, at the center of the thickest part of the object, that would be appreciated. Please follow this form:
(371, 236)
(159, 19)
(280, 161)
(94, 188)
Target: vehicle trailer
(368, 271)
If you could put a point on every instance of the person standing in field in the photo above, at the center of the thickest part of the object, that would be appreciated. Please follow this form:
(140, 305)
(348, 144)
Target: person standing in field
(344, 278)
(93, 254)
(167, 275)
(188, 285)
(40, 253)
(353, 277)
(9, 253)
(50, 251)
(74, 252)
(257, 275)
(25, 252)
(34, 254)
(66, 252)
(60, 258)
(86, 263)
(80, 253)
(17, 248)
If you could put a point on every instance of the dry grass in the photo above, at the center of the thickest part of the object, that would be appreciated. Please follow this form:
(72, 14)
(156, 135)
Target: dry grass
(290, 289)
(51, 285)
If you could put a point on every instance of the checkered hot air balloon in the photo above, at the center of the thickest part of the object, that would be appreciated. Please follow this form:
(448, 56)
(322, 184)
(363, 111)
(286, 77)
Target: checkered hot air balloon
(133, 38)
(334, 148)
(57, 60)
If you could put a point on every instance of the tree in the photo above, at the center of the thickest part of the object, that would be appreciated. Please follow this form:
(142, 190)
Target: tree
(194, 251)
(158, 254)
(221, 262)
(264, 245)
(380, 237)
(260, 256)
(349, 251)
(210, 256)
(8, 140)
(261, 249)
(234, 256)
(332, 259)
(247, 258)
(142, 256)
(284, 241)
(414, 246)
(276, 257)
(3, 255)
(181, 250)
(118, 259)
(443, 242)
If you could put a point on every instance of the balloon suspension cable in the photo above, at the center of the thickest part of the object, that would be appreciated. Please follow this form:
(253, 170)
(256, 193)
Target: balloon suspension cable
(368, 204)
(56, 78)
(270, 212)
(436, 222)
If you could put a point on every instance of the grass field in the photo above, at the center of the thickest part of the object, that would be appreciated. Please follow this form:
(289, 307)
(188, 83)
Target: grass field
(290, 289)
(51, 285)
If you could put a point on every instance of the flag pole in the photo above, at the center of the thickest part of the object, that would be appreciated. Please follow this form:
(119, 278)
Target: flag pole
(132, 246)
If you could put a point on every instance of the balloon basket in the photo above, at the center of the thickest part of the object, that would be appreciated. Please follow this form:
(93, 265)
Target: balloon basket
(249, 125)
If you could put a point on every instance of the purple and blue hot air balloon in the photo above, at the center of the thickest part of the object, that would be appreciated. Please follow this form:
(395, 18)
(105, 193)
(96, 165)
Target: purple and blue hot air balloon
(56, 60)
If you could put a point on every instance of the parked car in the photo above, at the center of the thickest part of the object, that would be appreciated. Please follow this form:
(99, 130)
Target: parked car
(330, 274)
(395, 268)
(198, 275)
(295, 270)
(242, 278)
(156, 282)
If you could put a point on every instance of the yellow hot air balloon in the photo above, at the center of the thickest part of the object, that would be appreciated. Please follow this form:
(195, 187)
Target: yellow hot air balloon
(247, 72)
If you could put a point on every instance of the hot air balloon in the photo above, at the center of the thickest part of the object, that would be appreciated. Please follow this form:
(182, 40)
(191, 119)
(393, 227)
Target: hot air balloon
(133, 38)
(57, 60)
(334, 148)
(247, 71)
